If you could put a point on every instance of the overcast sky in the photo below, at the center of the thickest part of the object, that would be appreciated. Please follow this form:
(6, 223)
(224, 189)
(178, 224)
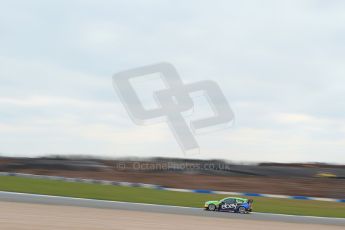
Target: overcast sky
(281, 65)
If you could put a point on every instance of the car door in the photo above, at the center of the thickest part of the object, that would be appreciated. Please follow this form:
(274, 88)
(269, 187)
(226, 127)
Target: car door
(228, 204)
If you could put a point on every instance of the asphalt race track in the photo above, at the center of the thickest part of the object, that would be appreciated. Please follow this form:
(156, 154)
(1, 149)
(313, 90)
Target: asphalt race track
(8, 199)
(69, 201)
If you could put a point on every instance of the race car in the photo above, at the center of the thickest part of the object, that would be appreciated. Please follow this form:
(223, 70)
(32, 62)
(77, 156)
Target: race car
(230, 204)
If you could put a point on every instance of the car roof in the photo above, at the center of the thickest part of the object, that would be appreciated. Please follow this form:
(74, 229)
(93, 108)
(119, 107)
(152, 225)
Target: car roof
(237, 198)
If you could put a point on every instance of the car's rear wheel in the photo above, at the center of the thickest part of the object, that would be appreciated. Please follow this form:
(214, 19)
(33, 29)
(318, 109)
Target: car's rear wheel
(212, 207)
(242, 210)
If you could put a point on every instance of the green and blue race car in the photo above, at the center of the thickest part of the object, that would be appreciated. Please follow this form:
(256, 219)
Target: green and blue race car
(230, 204)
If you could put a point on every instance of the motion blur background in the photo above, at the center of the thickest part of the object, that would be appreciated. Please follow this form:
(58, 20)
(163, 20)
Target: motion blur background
(66, 136)
(279, 63)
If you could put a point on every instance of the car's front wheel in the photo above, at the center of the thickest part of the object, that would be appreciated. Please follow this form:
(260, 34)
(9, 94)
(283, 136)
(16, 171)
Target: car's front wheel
(212, 207)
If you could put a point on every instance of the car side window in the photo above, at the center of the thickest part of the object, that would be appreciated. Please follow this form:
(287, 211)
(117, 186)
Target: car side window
(239, 201)
(229, 201)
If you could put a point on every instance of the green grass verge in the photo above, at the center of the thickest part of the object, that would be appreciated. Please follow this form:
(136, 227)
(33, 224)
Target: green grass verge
(145, 195)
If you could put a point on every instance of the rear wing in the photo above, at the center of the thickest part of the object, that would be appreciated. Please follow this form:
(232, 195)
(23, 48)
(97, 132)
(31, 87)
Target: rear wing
(250, 202)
